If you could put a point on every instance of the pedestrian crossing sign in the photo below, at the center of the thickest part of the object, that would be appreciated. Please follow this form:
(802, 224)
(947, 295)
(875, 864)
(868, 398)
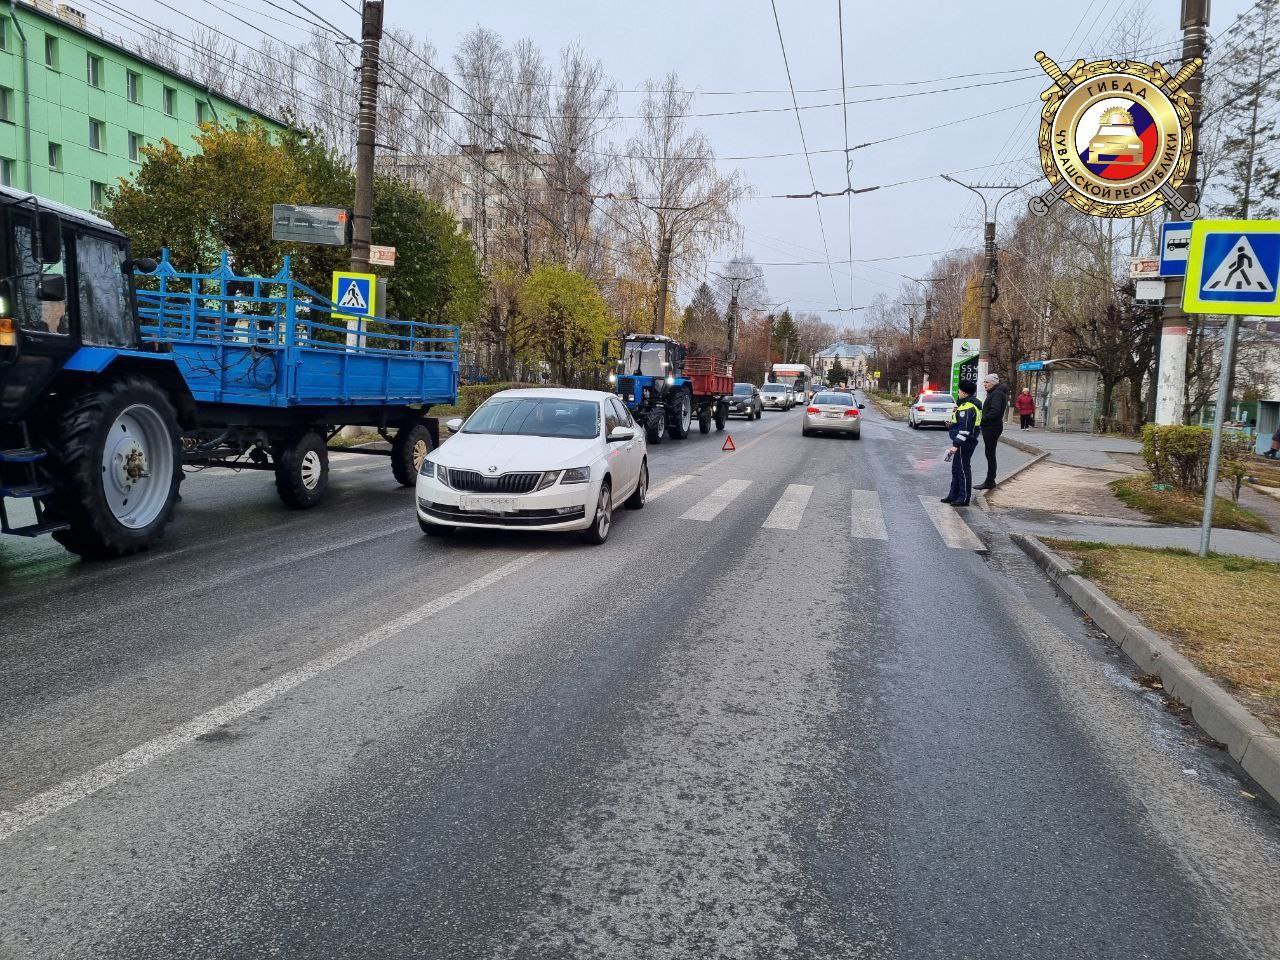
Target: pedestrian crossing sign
(355, 294)
(1233, 266)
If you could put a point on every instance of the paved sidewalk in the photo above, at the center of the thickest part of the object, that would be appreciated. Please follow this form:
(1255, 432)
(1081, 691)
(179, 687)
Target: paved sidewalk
(1091, 451)
(1261, 546)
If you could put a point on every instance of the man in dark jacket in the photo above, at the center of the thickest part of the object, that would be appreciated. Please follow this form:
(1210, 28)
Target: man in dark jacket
(993, 411)
(966, 420)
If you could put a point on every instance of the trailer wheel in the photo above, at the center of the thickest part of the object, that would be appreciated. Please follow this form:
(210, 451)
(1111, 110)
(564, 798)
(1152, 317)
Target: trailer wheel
(704, 418)
(655, 427)
(302, 469)
(722, 415)
(410, 447)
(117, 465)
(682, 417)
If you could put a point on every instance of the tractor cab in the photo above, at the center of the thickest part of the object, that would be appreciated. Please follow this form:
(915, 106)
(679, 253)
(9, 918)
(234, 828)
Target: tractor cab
(650, 364)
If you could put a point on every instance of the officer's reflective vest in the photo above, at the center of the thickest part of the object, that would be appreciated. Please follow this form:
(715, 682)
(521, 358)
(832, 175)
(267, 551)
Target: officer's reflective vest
(970, 405)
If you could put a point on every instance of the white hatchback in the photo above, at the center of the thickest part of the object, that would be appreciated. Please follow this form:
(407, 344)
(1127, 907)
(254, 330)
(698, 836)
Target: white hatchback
(539, 459)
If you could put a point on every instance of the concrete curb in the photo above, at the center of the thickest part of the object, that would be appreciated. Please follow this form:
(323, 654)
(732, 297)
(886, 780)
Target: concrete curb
(1218, 713)
(1021, 467)
(879, 406)
(1024, 447)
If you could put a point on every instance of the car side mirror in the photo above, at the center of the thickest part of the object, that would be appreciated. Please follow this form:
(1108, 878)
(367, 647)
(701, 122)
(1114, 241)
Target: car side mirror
(621, 434)
(53, 286)
(454, 425)
(47, 247)
(140, 265)
(862, 406)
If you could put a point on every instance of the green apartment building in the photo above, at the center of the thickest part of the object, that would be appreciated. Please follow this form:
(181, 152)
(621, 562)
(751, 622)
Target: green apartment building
(76, 108)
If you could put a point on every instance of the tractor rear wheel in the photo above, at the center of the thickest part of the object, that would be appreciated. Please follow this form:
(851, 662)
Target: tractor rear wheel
(722, 415)
(704, 418)
(302, 469)
(117, 462)
(410, 447)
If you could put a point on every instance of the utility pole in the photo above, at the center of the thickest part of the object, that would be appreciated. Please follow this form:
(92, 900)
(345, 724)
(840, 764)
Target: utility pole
(664, 277)
(362, 215)
(1171, 376)
(731, 312)
(989, 291)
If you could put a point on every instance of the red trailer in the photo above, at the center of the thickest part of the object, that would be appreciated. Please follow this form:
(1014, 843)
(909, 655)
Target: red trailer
(711, 380)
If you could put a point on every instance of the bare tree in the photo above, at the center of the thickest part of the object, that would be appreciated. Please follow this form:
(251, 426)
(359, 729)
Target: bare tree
(676, 202)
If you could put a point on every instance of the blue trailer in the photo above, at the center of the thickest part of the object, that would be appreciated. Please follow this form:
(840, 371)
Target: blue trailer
(117, 373)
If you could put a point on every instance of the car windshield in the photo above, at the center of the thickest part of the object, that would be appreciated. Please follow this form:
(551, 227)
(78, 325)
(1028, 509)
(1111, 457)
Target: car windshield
(937, 398)
(773, 388)
(835, 399)
(536, 417)
(742, 389)
(645, 359)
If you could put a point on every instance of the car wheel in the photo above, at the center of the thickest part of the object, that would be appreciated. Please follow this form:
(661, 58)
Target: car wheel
(602, 522)
(805, 432)
(641, 493)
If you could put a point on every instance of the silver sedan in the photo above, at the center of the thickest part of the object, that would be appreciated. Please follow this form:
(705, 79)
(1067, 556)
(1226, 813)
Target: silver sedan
(831, 412)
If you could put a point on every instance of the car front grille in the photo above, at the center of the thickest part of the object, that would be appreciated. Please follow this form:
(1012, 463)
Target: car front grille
(470, 481)
(515, 518)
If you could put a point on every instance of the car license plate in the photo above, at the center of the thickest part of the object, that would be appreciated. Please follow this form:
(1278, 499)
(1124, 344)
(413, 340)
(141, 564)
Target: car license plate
(487, 504)
(937, 409)
(832, 416)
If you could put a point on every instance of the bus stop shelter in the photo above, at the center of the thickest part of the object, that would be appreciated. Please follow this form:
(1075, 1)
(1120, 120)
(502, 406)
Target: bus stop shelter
(1066, 393)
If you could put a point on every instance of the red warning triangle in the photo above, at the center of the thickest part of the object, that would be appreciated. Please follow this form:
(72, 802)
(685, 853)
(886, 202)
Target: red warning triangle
(728, 443)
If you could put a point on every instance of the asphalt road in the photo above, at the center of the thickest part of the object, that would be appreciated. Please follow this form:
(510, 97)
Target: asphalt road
(791, 709)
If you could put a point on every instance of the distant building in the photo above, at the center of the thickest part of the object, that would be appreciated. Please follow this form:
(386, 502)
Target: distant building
(854, 357)
(77, 106)
(493, 193)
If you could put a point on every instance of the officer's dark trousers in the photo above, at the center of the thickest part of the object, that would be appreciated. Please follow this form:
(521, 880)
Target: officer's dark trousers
(991, 437)
(962, 473)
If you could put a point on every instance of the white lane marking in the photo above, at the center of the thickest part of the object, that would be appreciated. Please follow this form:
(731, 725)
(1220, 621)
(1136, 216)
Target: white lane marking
(954, 531)
(46, 804)
(709, 508)
(789, 510)
(866, 518)
(666, 486)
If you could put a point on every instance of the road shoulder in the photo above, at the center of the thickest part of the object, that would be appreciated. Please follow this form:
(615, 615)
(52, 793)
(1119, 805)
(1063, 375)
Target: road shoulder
(1247, 739)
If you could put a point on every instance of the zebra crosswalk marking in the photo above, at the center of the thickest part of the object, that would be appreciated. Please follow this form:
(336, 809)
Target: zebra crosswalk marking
(951, 527)
(789, 510)
(866, 518)
(667, 485)
(710, 507)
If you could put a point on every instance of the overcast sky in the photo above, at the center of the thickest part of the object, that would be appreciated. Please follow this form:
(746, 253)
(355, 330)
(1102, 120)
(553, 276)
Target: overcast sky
(985, 45)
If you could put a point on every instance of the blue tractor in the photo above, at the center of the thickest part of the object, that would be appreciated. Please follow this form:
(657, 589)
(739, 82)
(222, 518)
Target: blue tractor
(117, 372)
(665, 388)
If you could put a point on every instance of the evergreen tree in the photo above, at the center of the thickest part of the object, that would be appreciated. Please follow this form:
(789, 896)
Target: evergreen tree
(837, 373)
(786, 341)
(704, 327)
(1251, 74)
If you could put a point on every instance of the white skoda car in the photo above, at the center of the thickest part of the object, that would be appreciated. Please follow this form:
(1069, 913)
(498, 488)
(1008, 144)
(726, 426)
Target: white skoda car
(540, 459)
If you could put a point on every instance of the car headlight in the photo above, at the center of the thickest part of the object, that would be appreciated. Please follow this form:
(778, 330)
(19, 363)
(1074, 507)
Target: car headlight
(576, 475)
(547, 480)
(428, 468)
(613, 378)
(670, 380)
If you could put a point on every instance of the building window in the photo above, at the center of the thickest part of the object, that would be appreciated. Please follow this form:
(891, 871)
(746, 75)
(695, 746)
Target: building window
(93, 70)
(133, 86)
(170, 101)
(6, 105)
(51, 52)
(55, 156)
(135, 147)
(97, 195)
(97, 135)
(202, 110)
(6, 171)
(4, 33)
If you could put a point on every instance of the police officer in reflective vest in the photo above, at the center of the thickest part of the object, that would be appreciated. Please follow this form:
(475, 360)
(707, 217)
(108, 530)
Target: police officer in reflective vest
(965, 421)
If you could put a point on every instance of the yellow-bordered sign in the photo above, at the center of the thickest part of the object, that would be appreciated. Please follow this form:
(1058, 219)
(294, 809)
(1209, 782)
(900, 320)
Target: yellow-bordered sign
(1233, 266)
(355, 294)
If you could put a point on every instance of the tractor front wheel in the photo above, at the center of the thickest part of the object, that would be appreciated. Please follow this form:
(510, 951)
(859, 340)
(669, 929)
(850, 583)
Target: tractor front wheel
(410, 447)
